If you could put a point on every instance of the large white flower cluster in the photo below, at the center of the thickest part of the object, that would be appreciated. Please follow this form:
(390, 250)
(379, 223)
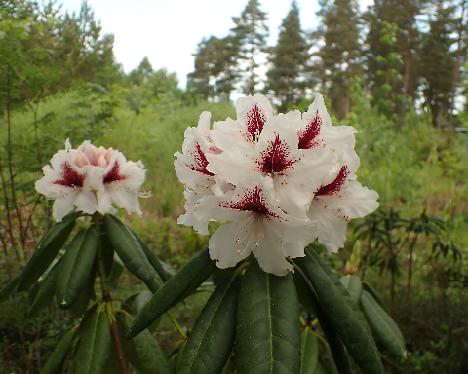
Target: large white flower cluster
(278, 182)
(91, 179)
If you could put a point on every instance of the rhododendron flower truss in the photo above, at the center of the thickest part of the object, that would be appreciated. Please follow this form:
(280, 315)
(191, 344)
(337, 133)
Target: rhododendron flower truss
(91, 179)
(279, 181)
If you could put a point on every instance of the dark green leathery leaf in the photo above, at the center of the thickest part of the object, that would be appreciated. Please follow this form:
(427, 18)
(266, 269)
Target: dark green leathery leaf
(353, 285)
(309, 352)
(94, 345)
(142, 351)
(45, 291)
(46, 251)
(77, 266)
(130, 252)
(384, 328)
(210, 341)
(54, 363)
(154, 260)
(342, 314)
(335, 345)
(268, 337)
(187, 279)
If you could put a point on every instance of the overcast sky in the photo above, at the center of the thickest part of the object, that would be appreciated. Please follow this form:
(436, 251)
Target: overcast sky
(168, 31)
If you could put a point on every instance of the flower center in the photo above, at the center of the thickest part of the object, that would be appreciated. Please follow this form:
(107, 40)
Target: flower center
(200, 163)
(70, 177)
(335, 186)
(307, 137)
(255, 121)
(113, 175)
(276, 158)
(252, 201)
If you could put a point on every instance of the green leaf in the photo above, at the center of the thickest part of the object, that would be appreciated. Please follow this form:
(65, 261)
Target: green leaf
(384, 328)
(320, 369)
(45, 291)
(87, 294)
(143, 351)
(106, 250)
(153, 259)
(375, 295)
(130, 252)
(335, 345)
(46, 251)
(210, 341)
(268, 333)
(189, 277)
(95, 344)
(77, 266)
(54, 363)
(341, 313)
(353, 285)
(309, 352)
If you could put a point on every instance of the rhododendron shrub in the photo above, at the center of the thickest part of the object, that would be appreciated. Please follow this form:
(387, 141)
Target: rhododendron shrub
(277, 181)
(91, 183)
(274, 183)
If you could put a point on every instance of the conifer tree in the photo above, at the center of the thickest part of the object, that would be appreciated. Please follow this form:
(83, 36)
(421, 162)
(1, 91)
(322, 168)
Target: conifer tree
(286, 76)
(341, 53)
(437, 62)
(250, 33)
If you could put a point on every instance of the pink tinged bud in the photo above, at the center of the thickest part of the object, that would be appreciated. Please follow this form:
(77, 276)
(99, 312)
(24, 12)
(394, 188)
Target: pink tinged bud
(102, 162)
(81, 159)
(92, 152)
(108, 154)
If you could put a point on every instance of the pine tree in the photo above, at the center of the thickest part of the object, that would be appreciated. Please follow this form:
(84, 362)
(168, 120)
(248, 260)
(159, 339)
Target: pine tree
(341, 54)
(286, 76)
(437, 62)
(201, 80)
(250, 33)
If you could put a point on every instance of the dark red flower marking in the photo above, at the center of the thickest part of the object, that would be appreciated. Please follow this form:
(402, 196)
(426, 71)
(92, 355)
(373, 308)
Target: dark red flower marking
(255, 121)
(276, 158)
(70, 177)
(335, 186)
(252, 201)
(308, 136)
(113, 175)
(200, 163)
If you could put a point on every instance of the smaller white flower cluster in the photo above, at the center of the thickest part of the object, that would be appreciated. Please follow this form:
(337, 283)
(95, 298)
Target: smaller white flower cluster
(91, 179)
(279, 181)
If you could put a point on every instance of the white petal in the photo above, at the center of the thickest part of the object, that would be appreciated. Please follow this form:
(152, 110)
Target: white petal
(318, 106)
(86, 202)
(230, 244)
(270, 255)
(329, 228)
(63, 206)
(353, 200)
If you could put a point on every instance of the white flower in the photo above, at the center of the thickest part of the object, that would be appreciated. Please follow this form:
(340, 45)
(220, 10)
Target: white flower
(256, 225)
(92, 180)
(341, 197)
(277, 182)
